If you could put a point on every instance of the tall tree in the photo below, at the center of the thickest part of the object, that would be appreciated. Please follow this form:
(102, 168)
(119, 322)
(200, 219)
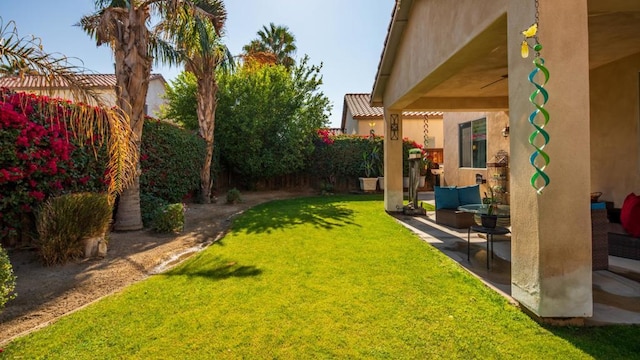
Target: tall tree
(275, 40)
(198, 42)
(123, 25)
(269, 117)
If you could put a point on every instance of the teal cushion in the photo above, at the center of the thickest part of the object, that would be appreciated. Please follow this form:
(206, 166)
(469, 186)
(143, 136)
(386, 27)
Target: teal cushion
(446, 197)
(469, 195)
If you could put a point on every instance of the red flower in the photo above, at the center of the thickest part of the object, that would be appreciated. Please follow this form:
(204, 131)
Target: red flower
(38, 195)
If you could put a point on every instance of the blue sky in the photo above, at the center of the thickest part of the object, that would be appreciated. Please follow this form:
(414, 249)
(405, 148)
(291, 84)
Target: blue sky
(347, 36)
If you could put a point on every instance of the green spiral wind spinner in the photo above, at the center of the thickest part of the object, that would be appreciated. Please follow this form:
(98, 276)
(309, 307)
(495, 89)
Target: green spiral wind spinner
(539, 159)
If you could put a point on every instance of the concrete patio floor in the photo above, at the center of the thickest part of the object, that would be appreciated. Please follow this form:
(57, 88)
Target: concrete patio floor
(616, 291)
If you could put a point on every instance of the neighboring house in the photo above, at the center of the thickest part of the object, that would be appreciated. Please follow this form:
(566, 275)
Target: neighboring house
(465, 60)
(359, 118)
(103, 84)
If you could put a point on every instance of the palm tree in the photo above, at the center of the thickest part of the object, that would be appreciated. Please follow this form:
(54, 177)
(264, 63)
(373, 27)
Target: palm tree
(199, 46)
(122, 24)
(277, 40)
(21, 56)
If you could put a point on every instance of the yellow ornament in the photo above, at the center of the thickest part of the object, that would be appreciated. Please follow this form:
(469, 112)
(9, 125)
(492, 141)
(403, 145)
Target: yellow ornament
(524, 50)
(531, 31)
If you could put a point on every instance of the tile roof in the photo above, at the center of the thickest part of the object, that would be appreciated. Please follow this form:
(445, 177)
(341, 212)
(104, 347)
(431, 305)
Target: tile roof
(359, 106)
(38, 81)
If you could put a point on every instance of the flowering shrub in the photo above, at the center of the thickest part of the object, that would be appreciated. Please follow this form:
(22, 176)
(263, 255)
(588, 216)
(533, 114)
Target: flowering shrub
(325, 136)
(408, 144)
(342, 158)
(39, 158)
(170, 159)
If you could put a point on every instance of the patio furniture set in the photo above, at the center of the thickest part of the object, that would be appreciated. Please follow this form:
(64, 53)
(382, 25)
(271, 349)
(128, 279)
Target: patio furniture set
(615, 231)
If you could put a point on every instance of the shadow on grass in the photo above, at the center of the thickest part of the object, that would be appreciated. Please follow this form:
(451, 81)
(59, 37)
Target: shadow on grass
(603, 342)
(215, 269)
(320, 212)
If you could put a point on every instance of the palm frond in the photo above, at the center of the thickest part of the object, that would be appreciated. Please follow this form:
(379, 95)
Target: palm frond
(90, 116)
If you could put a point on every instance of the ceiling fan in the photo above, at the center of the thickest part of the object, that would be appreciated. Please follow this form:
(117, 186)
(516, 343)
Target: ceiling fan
(503, 77)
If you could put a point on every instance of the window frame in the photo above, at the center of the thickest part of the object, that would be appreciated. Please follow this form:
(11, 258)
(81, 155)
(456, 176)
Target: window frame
(472, 134)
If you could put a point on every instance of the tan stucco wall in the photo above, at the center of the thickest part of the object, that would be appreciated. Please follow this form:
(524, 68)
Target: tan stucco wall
(453, 174)
(615, 133)
(106, 95)
(154, 96)
(411, 128)
(423, 53)
(414, 129)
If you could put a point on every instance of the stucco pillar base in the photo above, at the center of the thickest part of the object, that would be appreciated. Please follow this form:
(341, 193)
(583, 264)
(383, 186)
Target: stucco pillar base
(553, 321)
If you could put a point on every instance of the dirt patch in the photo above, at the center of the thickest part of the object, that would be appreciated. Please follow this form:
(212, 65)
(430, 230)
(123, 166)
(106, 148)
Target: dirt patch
(46, 293)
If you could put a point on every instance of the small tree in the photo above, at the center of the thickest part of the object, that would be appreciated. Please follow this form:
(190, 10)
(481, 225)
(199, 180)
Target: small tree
(181, 104)
(268, 117)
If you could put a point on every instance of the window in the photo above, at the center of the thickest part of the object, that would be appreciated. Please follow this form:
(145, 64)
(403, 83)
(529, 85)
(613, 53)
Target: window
(473, 144)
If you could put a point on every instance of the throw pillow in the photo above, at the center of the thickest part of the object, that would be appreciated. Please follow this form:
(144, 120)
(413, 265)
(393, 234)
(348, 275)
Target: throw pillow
(630, 215)
(469, 195)
(446, 197)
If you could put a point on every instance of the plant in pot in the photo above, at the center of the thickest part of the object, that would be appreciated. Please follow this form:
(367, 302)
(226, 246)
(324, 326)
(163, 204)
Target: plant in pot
(381, 173)
(369, 165)
(489, 219)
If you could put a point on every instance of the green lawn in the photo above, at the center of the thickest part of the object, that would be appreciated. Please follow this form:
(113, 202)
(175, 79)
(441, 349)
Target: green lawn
(315, 278)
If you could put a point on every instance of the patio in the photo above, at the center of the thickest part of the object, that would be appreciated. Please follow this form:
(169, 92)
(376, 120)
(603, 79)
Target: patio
(616, 291)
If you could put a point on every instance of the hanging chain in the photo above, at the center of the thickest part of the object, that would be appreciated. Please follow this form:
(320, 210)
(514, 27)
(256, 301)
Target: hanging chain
(425, 129)
(536, 22)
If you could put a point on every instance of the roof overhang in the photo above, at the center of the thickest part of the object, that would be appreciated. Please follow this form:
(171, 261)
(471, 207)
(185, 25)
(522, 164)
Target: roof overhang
(399, 18)
(464, 83)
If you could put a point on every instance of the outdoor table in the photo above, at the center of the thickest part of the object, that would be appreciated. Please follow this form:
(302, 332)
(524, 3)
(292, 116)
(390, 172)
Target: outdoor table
(498, 230)
(502, 211)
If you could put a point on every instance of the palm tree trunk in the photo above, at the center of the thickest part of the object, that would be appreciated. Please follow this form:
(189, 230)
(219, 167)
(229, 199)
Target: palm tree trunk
(128, 216)
(133, 68)
(207, 102)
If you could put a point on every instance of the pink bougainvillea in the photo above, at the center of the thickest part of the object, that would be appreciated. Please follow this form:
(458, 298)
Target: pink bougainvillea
(39, 158)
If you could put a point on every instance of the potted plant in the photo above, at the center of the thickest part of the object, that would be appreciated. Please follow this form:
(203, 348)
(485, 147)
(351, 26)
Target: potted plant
(489, 219)
(369, 165)
(381, 173)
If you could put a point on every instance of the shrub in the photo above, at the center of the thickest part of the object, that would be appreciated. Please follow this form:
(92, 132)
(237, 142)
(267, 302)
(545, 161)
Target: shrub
(342, 158)
(65, 221)
(170, 218)
(233, 196)
(150, 206)
(171, 159)
(7, 279)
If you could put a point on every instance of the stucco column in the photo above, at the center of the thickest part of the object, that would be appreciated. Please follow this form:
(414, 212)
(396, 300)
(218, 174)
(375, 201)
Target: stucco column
(551, 242)
(393, 194)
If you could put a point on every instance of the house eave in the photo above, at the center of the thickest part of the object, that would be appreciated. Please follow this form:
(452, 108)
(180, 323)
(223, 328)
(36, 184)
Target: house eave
(399, 19)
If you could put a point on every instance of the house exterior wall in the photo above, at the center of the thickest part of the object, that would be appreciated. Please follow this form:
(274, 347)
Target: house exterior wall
(411, 128)
(108, 96)
(453, 173)
(154, 96)
(615, 129)
(350, 125)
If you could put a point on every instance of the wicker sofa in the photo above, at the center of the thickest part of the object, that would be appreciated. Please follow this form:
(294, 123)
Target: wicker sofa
(447, 201)
(621, 243)
(624, 230)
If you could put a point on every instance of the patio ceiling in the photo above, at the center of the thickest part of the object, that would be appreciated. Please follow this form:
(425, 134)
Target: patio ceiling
(477, 74)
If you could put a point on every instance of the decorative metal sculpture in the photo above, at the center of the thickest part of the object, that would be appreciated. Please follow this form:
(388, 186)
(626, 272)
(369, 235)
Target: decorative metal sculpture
(539, 159)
